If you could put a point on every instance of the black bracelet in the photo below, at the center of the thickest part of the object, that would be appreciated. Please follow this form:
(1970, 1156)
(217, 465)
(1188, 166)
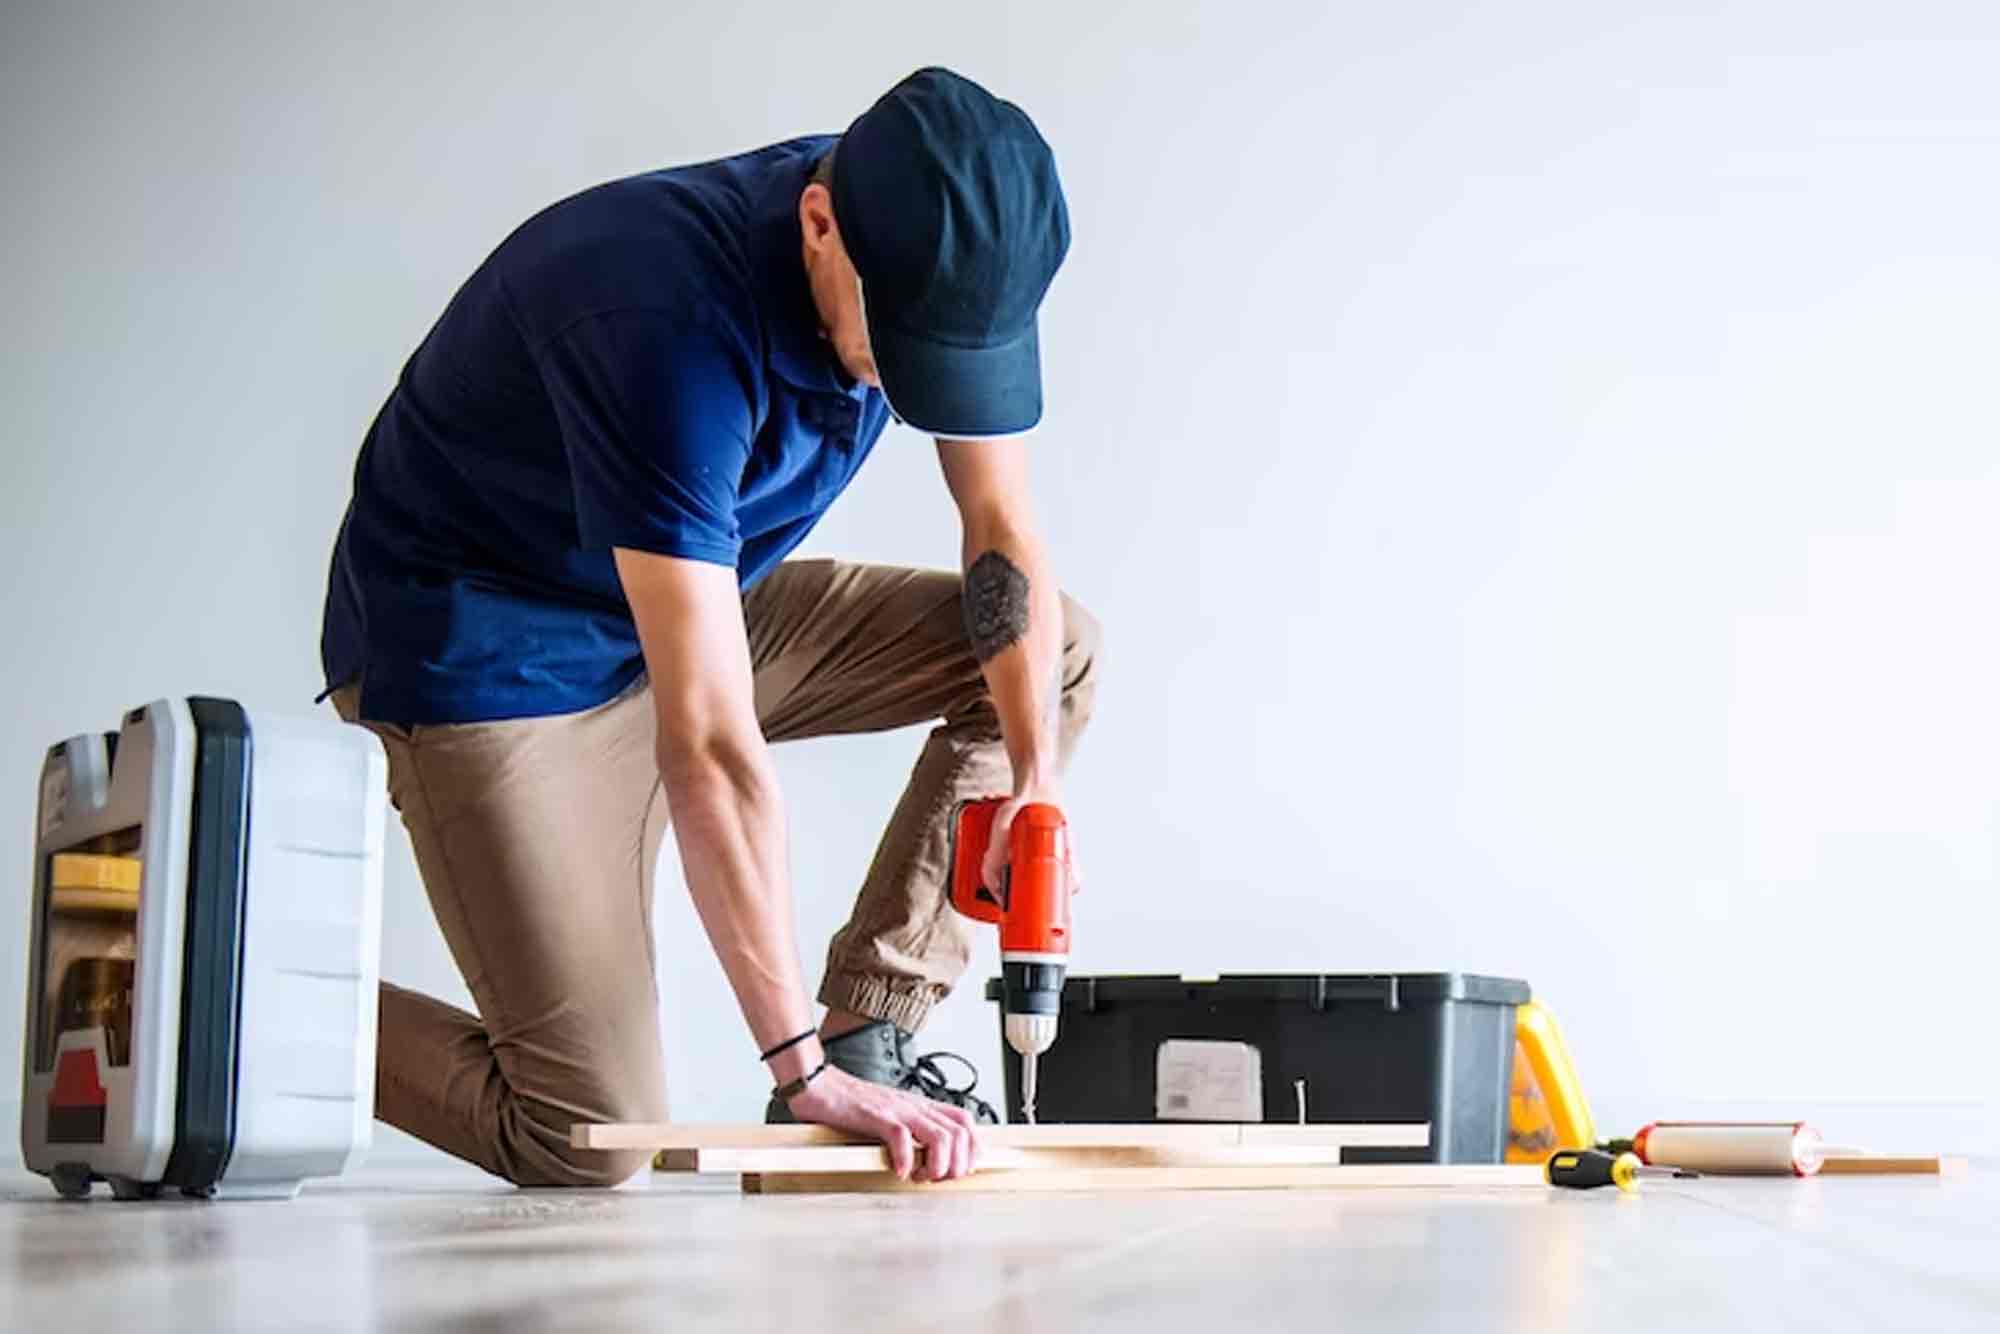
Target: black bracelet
(787, 1091)
(789, 1043)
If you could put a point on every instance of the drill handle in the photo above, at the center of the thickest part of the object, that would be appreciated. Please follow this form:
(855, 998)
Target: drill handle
(971, 831)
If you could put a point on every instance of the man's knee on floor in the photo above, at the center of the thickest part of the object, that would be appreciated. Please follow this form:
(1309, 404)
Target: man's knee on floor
(536, 1148)
(579, 1168)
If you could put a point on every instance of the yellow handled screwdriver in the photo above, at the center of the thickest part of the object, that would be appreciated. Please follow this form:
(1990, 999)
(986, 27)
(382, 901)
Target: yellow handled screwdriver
(1582, 1169)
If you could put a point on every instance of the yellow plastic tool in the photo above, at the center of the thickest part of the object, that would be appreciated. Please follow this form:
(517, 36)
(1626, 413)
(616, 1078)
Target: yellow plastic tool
(93, 882)
(1552, 1113)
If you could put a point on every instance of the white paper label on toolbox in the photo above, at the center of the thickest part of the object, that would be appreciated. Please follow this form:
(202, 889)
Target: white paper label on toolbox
(1209, 1081)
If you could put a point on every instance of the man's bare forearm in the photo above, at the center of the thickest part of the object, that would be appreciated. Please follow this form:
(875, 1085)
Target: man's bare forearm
(729, 821)
(1013, 620)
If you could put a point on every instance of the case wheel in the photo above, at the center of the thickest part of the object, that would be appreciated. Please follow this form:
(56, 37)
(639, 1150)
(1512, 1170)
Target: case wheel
(71, 1180)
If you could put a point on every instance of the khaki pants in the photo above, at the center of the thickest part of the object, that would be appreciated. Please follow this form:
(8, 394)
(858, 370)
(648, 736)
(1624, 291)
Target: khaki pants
(536, 838)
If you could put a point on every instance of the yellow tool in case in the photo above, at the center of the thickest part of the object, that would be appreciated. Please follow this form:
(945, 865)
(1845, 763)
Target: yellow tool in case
(205, 943)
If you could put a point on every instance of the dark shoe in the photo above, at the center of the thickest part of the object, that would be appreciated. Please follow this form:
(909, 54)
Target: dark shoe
(880, 1053)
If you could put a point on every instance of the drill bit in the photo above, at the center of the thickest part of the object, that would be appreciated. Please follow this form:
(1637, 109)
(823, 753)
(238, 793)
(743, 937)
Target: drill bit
(1028, 1064)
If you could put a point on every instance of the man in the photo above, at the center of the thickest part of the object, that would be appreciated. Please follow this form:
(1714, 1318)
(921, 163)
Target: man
(557, 596)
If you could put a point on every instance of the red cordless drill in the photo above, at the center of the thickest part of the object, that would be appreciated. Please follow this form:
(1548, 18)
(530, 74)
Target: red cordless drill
(1032, 908)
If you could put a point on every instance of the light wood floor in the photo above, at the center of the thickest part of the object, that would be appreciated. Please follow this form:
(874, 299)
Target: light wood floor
(415, 1247)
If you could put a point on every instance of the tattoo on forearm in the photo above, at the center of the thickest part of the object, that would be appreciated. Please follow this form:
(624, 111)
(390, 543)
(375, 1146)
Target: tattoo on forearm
(996, 604)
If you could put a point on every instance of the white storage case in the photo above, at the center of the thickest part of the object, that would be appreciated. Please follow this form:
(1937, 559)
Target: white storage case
(206, 931)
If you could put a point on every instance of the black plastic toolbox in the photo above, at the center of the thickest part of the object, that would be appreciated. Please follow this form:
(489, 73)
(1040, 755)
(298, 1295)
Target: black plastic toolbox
(1371, 1047)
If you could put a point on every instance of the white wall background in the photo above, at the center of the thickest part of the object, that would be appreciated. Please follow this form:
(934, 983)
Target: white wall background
(1537, 463)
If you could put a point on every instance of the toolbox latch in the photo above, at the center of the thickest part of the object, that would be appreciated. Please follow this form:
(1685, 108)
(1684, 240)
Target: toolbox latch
(1326, 990)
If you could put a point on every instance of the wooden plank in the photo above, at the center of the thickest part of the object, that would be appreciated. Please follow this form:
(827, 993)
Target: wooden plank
(1371, 1135)
(640, 1135)
(819, 1158)
(1891, 1164)
(1093, 1180)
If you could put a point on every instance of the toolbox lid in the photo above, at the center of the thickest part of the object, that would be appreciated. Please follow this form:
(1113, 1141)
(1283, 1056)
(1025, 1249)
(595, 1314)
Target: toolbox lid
(1317, 990)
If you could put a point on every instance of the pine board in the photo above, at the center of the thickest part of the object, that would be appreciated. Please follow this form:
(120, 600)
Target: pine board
(1094, 1180)
(1890, 1164)
(641, 1135)
(870, 1158)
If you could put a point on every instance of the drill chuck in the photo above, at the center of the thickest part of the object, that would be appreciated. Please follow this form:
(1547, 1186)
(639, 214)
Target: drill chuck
(1031, 1034)
(1031, 1000)
(1031, 986)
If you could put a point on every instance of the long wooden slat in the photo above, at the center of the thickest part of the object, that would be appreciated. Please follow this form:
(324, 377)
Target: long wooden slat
(1359, 1135)
(1891, 1164)
(641, 1135)
(1387, 1176)
(818, 1158)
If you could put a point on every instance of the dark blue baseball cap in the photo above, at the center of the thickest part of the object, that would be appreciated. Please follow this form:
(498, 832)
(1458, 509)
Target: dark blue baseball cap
(949, 206)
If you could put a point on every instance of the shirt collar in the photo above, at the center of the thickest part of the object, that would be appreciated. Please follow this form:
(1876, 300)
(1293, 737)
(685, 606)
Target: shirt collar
(793, 346)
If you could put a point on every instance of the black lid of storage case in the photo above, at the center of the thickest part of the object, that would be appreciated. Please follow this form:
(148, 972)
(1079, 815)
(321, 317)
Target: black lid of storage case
(1317, 990)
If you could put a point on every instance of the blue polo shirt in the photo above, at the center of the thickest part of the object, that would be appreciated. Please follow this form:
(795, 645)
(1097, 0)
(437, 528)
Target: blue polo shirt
(638, 366)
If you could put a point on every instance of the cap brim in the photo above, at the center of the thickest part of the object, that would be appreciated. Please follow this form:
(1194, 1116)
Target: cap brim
(959, 391)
